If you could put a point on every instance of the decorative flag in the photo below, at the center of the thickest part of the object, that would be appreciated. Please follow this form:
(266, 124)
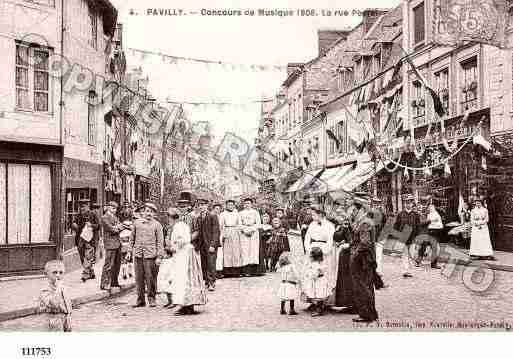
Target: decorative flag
(483, 163)
(447, 169)
(460, 202)
(406, 174)
(480, 140)
(437, 103)
(427, 171)
(458, 21)
(334, 138)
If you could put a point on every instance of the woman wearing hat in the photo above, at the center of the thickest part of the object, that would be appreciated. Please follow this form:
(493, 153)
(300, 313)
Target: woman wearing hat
(480, 243)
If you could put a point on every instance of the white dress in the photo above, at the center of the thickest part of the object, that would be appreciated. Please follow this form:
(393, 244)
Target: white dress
(321, 235)
(480, 243)
(288, 290)
(187, 285)
(315, 285)
(249, 236)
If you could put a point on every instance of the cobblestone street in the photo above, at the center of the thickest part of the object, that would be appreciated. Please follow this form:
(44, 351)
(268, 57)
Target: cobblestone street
(429, 300)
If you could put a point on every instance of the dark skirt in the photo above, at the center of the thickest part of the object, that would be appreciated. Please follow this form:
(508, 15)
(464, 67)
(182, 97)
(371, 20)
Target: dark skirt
(344, 288)
(362, 272)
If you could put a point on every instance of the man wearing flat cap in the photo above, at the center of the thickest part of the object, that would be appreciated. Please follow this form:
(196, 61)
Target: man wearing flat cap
(410, 218)
(86, 227)
(205, 234)
(147, 247)
(112, 244)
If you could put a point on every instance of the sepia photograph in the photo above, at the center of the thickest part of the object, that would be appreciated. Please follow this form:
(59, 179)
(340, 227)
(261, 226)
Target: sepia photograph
(255, 166)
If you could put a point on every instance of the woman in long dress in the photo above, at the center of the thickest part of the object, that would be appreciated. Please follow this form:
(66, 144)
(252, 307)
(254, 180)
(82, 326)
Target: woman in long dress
(187, 286)
(480, 243)
(344, 288)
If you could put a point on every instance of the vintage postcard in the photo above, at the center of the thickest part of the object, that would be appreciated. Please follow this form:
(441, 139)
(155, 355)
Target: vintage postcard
(263, 166)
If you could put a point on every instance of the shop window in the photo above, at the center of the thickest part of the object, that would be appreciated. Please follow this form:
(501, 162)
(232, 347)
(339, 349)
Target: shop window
(32, 78)
(442, 87)
(73, 198)
(419, 26)
(469, 84)
(26, 203)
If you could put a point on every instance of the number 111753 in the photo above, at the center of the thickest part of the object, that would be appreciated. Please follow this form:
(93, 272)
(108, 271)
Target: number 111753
(36, 351)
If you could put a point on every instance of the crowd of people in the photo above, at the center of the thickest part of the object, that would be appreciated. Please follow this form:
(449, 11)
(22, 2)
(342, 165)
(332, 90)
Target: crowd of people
(181, 258)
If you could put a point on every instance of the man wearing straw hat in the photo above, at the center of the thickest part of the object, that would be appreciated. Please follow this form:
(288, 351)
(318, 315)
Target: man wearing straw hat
(146, 245)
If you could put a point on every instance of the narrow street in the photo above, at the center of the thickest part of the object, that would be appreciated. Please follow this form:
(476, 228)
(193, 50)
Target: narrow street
(429, 300)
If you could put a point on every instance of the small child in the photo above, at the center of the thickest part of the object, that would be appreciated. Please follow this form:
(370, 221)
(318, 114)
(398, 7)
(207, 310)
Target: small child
(276, 243)
(316, 282)
(127, 266)
(54, 301)
(289, 283)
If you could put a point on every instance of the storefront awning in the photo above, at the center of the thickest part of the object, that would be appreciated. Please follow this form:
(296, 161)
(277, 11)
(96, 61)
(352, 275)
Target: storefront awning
(329, 181)
(305, 180)
(363, 172)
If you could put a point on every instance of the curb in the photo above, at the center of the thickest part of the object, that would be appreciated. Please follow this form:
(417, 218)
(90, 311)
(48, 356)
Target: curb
(462, 262)
(25, 312)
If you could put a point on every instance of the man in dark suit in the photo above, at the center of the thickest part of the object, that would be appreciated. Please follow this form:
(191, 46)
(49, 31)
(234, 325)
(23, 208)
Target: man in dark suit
(111, 228)
(206, 239)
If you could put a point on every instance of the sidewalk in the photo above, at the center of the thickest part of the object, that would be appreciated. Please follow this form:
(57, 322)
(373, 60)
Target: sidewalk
(18, 296)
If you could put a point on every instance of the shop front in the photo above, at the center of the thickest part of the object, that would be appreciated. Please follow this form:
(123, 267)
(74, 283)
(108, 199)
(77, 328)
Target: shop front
(82, 181)
(30, 206)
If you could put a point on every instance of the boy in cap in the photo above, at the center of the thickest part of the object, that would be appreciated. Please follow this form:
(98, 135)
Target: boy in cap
(54, 300)
(146, 245)
(112, 244)
(408, 217)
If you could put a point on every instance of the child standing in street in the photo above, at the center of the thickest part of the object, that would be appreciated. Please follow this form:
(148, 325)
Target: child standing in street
(316, 282)
(127, 265)
(289, 290)
(54, 301)
(275, 244)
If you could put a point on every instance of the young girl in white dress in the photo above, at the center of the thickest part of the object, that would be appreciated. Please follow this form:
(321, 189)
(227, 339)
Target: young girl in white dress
(480, 243)
(289, 286)
(316, 286)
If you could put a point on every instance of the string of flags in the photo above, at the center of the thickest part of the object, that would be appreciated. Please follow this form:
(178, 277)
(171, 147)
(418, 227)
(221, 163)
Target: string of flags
(221, 105)
(227, 66)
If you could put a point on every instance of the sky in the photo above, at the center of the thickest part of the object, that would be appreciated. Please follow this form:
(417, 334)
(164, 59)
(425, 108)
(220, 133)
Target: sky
(235, 39)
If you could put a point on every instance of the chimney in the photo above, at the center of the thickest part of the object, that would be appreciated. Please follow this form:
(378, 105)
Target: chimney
(370, 16)
(327, 37)
(293, 66)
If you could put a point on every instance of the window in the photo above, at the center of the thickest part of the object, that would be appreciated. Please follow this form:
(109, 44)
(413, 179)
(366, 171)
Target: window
(294, 113)
(376, 64)
(418, 102)
(346, 78)
(299, 110)
(73, 198)
(25, 203)
(469, 84)
(93, 23)
(91, 119)
(419, 24)
(32, 78)
(442, 87)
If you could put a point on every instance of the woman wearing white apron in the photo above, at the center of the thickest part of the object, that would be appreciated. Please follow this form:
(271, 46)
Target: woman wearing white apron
(480, 243)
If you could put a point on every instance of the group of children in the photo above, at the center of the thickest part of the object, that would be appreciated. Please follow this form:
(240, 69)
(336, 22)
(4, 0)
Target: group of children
(312, 283)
